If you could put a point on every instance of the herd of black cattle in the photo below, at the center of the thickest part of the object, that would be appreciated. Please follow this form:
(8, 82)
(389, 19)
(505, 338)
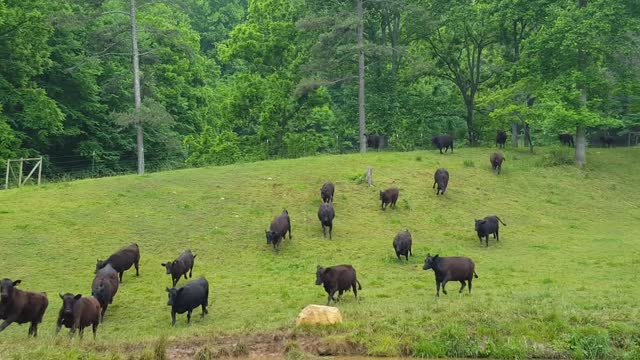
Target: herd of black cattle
(78, 311)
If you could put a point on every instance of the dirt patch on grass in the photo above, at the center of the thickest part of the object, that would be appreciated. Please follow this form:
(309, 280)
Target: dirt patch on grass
(262, 346)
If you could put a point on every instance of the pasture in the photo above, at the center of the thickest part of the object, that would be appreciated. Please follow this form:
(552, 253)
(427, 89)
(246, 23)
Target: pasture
(562, 281)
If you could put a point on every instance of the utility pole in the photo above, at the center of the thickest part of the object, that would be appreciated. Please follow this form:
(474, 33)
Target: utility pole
(136, 87)
(361, 101)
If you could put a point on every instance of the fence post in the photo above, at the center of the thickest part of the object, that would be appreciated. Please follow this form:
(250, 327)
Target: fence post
(6, 184)
(20, 174)
(40, 170)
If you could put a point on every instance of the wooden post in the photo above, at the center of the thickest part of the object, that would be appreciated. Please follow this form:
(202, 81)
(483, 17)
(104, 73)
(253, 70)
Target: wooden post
(6, 183)
(20, 173)
(370, 176)
(40, 170)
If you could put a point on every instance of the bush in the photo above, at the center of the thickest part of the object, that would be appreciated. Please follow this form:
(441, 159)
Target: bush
(590, 343)
(469, 163)
(557, 156)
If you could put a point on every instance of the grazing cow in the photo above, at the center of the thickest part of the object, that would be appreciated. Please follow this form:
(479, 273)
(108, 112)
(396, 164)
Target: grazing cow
(441, 178)
(454, 268)
(195, 293)
(496, 160)
(488, 225)
(122, 260)
(326, 215)
(375, 141)
(389, 196)
(278, 229)
(339, 279)
(104, 287)
(566, 139)
(327, 192)
(180, 266)
(606, 140)
(78, 312)
(501, 138)
(21, 306)
(402, 244)
(443, 141)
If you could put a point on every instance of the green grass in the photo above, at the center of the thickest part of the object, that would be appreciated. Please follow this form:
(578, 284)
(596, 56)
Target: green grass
(563, 281)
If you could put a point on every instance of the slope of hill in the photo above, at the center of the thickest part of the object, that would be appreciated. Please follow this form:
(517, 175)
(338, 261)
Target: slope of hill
(563, 280)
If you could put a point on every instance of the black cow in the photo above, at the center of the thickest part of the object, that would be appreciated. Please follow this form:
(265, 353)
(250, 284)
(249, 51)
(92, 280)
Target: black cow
(326, 192)
(326, 215)
(21, 306)
(606, 140)
(180, 266)
(195, 293)
(78, 312)
(339, 279)
(278, 229)
(104, 287)
(375, 141)
(443, 141)
(501, 138)
(389, 197)
(454, 268)
(488, 225)
(122, 260)
(402, 244)
(566, 139)
(496, 160)
(441, 178)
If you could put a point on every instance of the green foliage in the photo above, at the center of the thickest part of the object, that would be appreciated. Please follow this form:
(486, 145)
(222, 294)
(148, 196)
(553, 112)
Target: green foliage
(210, 148)
(590, 343)
(556, 156)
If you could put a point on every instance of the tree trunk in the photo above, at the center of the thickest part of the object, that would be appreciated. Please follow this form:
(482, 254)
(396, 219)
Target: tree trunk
(514, 134)
(527, 137)
(361, 114)
(136, 88)
(581, 136)
(471, 133)
(395, 39)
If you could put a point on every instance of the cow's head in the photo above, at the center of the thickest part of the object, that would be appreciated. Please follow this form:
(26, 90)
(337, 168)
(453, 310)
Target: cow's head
(100, 264)
(169, 266)
(173, 295)
(479, 223)
(6, 289)
(271, 236)
(430, 262)
(382, 194)
(68, 301)
(320, 275)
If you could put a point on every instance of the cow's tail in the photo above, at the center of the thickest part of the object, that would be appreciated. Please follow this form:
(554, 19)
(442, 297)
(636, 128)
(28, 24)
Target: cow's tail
(501, 221)
(359, 286)
(474, 274)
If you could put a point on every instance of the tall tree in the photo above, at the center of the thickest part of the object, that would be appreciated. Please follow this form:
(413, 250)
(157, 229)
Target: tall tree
(136, 86)
(361, 99)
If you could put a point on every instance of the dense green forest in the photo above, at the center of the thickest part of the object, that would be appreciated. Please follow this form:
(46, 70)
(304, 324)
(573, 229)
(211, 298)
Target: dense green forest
(224, 81)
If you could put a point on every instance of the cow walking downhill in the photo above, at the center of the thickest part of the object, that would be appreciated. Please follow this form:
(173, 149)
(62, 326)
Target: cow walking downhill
(180, 266)
(17, 306)
(454, 268)
(122, 260)
(278, 229)
(78, 312)
(488, 225)
(339, 278)
(104, 287)
(195, 293)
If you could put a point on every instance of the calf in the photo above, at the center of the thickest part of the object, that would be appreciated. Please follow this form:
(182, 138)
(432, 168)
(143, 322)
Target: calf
(78, 312)
(443, 141)
(278, 229)
(327, 192)
(496, 160)
(501, 138)
(488, 225)
(21, 306)
(104, 287)
(339, 279)
(566, 139)
(455, 268)
(606, 140)
(441, 178)
(122, 260)
(389, 197)
(180, 266)
(326, 215)
(195, 293)
(375, 141)
(402, 244)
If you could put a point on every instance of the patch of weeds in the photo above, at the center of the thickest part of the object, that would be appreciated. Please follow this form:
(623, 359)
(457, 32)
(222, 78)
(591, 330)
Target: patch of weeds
(205, 354)
(589, 343)
(405, 204)
(508, 349)
(419, 158)
(428, 348)
(385, 346)
(557, 156)
(291, 346)
(468, 163)
(160, 348)
(240, 349)
(457, 342)
(359, 179)
(547, 281)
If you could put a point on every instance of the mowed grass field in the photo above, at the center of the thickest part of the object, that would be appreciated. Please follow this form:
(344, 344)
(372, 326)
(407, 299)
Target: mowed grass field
(562, 282)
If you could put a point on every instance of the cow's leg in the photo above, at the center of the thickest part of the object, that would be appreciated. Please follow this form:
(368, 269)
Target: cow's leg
(497, 235)
(470, 284)
(173, 317)
(94, 327)
(31, 329)
(6, 323)
(331, 293)
(104, 310)
(480, 237)
(120, 274)
(330, 230)
(185, 275)
(410, 253)
(137, 267)
(191, 271)
(437, 288)
(81, 333)
(58, 325)
(189, 317)
(35, 329)
(355, 290)
(340, 294)
(324, 231)
(487, 239)
(406, 256)
(204, 310)
(434, 185)
(444, 282)
(463, 285)
(175, 280)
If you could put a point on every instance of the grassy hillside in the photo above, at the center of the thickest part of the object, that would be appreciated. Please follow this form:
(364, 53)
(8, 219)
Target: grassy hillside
(563, 281)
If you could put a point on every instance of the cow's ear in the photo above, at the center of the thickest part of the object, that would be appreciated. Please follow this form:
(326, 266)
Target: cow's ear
(428, 254)
(164, 264)
(61, 296)
(168, 290)
(15, 283)
(78, 296)
(436, 256)
(319, 267)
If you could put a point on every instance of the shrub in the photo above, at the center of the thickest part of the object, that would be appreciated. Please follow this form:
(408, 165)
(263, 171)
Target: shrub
(557, 156)
(590, 343)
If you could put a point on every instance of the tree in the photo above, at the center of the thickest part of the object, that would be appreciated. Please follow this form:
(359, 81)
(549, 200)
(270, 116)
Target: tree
(136, 86)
